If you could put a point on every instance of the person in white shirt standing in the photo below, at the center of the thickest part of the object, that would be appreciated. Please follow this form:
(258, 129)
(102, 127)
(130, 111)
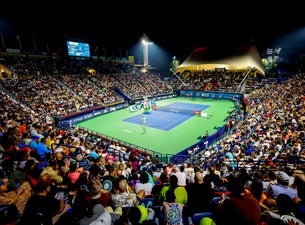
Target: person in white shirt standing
(180, 175)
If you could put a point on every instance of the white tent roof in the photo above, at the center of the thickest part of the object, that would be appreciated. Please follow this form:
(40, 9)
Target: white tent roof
(243, 57)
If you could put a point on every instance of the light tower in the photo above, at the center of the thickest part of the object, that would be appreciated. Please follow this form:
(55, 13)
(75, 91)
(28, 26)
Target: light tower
(146, 43)
(273, 56)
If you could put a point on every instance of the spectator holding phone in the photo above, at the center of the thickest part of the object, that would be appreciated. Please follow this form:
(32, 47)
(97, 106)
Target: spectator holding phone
(41, 206)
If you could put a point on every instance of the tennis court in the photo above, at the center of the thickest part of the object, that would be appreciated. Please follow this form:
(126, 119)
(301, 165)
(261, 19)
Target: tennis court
(169, 116)
(167, 132)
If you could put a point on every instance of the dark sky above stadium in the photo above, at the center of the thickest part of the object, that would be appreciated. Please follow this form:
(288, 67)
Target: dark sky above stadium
(176, 32)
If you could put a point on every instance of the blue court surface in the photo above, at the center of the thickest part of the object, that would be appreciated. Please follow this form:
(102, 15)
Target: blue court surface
(169, 116)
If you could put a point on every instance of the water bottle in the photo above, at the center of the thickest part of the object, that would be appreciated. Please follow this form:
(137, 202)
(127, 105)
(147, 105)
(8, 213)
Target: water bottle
(190, 221)
(157, 220)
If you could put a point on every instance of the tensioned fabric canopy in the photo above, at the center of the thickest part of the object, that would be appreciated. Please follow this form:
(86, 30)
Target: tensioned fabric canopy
(243, 57)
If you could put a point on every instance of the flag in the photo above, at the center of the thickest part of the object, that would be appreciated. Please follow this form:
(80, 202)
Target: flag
(34, 43)
(19, 41)
(2, 41)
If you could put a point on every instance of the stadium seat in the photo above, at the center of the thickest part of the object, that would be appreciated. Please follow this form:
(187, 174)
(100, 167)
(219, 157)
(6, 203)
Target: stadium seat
(198, 216)
(146, 201)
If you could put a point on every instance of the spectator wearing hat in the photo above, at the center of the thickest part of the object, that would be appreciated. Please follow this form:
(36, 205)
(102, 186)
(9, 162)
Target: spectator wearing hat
(280, 187)
(33, 142)
(42, 151)
(58, 155)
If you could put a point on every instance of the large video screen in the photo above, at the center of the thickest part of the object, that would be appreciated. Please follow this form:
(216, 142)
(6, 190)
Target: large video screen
(78, 49)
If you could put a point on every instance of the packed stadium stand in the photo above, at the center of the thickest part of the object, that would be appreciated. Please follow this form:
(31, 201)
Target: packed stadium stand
(54, 173)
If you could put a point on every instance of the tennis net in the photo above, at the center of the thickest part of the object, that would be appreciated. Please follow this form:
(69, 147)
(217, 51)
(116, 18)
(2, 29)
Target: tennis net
(177, 110)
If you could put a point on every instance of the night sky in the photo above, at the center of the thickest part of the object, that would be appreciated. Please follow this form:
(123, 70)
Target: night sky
(176, 35)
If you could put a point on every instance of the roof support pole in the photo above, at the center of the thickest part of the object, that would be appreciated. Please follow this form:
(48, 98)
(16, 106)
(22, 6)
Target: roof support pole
(177, 77)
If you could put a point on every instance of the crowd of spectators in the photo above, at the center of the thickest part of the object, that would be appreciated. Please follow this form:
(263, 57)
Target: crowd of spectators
(53, 176)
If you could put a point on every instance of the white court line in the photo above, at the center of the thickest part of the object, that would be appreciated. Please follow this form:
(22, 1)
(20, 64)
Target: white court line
(128, 131)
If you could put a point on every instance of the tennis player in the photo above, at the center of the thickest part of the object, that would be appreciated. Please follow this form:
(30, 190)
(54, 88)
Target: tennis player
(143, 120)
